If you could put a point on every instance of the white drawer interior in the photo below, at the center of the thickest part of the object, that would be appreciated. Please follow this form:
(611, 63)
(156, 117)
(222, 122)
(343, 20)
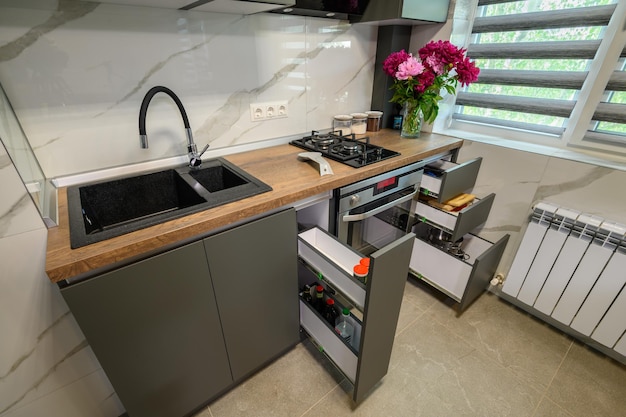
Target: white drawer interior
(444, 271)
(343, 355)
(334, 260)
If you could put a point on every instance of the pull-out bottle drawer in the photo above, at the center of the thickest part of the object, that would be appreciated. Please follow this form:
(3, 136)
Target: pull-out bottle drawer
(456, 223)
(445, 180)
(344, 354)
(461, 274)
(334, 260)
(379, 301)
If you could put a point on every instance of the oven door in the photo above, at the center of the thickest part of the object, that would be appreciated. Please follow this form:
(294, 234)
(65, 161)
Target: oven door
(371, 226)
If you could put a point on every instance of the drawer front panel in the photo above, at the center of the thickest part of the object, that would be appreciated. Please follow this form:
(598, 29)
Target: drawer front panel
(458, 224)
(454, 180)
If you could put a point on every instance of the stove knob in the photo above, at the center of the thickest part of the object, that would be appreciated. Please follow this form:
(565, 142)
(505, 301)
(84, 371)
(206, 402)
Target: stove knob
(354, 200)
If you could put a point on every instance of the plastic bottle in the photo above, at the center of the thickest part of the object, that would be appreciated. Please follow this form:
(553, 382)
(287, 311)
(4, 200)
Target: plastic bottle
(360, 272)
(343, 326)
(330, 313)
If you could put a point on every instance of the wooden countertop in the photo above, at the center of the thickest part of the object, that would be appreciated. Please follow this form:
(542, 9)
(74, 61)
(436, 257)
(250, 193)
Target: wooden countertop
(291, 179)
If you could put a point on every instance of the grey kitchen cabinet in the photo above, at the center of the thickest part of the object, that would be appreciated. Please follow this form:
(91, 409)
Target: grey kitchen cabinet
(254, 271)
(175, 330)
(155, 329)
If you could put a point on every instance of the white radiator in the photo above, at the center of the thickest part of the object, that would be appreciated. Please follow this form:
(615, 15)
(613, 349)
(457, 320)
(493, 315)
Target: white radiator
(571, 266)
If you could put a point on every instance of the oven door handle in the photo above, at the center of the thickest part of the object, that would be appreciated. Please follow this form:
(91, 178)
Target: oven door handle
(363, 216)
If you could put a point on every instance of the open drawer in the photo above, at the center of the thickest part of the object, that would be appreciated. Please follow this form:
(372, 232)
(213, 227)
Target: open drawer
(461, 277)
(457, 224)
(379, 300)
(445, 180)
(344, 354)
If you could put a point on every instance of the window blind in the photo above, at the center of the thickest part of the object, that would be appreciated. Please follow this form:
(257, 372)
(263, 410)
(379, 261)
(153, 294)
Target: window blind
(534, 64)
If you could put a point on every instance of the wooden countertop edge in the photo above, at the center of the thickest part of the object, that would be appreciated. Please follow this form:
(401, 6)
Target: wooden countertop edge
(295, 182)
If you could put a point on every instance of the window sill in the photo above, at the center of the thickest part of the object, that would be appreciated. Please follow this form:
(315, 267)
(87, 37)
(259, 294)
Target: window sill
(587, 156)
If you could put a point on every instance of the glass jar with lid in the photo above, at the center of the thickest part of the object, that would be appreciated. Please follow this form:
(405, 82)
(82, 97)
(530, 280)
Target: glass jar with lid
(359, 123)
(343, 122)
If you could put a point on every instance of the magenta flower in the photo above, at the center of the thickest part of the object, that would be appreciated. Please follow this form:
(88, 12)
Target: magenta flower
(420, 79)
(393, 61)
(467, 72)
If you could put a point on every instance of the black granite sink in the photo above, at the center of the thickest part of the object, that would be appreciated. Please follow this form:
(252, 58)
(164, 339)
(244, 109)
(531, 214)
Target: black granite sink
(102, 210)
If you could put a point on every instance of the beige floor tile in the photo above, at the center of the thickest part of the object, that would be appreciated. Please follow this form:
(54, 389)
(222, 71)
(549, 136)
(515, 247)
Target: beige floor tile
(547, 408)
(590, 384)
(433, 374)
(286, 388)
(529, 348)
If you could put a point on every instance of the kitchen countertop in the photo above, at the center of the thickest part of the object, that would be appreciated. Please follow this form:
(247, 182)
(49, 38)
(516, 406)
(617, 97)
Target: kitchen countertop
(291, 180)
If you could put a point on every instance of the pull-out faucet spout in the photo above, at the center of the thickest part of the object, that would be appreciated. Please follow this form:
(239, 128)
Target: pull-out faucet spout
(192, 150)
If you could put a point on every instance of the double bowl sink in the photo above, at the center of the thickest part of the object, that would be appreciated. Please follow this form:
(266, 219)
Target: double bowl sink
(103, 210)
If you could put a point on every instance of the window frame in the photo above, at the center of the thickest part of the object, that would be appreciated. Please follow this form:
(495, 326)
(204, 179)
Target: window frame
(589, 97)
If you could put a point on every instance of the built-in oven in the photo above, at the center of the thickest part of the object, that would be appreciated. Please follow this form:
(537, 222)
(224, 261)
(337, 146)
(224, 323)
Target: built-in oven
(374, 212)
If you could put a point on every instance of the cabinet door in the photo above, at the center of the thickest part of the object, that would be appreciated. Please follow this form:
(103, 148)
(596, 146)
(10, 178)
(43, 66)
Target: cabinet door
(254, 272)
(154, 328)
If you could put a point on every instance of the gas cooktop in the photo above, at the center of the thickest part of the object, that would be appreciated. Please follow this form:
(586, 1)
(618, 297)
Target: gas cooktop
(347, 149)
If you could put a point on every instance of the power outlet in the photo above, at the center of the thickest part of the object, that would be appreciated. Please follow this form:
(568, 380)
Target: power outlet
(269, 110)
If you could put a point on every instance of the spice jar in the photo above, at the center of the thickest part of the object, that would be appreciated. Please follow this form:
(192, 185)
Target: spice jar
(343, 122)
(373, 120)
(359, 123)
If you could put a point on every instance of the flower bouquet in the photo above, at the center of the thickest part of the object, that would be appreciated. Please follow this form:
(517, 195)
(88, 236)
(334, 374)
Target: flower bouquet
(417, 81)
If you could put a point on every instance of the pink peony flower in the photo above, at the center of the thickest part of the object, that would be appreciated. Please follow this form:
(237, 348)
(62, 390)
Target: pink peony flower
(393, 61)
(425, 80)
(409, 69)
(467, 72)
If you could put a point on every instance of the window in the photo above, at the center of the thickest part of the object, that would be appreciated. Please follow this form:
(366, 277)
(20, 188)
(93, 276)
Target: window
(552, 72)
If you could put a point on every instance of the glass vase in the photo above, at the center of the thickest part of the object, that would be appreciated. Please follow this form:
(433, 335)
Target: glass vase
(412, 120)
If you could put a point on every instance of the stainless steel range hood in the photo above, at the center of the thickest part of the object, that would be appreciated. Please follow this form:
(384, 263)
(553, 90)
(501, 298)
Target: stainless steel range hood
(216, 6)
(237, 6)
(376, 12)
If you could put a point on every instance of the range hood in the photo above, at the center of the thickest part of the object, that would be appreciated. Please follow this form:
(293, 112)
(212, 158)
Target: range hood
(216, 6)
(376, 12)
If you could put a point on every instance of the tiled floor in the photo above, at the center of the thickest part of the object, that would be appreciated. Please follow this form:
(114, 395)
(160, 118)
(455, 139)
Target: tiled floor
(493, 360)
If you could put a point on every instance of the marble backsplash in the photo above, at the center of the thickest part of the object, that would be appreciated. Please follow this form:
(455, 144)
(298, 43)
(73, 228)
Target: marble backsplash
(76, 74)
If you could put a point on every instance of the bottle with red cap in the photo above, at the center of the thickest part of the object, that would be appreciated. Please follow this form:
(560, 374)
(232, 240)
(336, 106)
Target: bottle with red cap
(330, 313)
(318, 300)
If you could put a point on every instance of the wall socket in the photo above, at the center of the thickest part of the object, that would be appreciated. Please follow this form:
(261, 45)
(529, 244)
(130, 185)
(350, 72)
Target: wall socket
(269, 110)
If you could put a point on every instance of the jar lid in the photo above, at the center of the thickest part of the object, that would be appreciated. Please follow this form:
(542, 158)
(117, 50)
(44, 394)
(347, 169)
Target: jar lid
(345, 117)
(374, 113)
(365, 262)
(319, 288)
(360, 270)
(359, 115)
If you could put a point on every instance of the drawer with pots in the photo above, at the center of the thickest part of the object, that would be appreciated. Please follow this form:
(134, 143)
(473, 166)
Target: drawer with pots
(375, 296)
(462, 269)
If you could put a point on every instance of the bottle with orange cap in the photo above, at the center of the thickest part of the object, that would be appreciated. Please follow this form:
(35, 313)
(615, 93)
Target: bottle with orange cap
(361, 270)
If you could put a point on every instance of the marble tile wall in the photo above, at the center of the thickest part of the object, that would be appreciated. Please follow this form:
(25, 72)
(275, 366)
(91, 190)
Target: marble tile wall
(76, 73)
(521, 179)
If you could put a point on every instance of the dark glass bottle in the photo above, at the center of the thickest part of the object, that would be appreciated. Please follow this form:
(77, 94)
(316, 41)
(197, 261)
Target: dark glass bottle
(318, 301)
(330, 313)
(306, 294)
